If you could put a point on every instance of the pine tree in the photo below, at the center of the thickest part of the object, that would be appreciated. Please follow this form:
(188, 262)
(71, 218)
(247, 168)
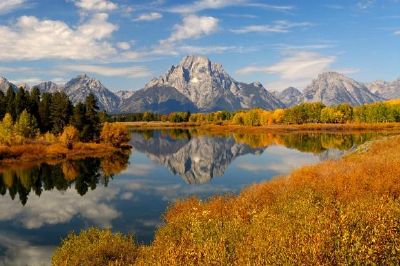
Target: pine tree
(78, 119)
(10, 99)
(44, 120)
(93, 126)
(34, 101)
(60, 111)
(3, 104)
(21, 101)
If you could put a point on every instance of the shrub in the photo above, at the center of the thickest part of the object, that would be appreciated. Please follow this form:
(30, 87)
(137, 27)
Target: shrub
(114, 134)
(69, 136)
(95, 247)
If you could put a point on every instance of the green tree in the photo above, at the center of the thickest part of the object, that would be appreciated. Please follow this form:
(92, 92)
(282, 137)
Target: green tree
(78, 119)
(21, 101)
(34, 101)
(44, 120)
(60, 111)
(3, 105)
(10, 99)
(93, 125)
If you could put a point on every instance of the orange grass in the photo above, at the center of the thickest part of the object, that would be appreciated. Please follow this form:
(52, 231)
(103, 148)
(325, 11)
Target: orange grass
(334, 213)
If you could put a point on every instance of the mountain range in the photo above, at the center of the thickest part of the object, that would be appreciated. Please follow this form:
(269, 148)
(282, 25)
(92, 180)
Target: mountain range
(198, 85)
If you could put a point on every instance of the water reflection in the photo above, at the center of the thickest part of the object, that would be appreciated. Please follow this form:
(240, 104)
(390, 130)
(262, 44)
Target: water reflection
(197, 157)
(82, 174)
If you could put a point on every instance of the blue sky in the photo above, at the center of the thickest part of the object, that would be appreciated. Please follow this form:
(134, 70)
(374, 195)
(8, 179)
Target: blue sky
(125, 43)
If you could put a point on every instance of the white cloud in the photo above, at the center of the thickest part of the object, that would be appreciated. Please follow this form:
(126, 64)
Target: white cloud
(397, 33)
(132, 72)
(365, 4)
(296, 69)
(93, 207)
(280, 26)
(96, 5)
(217, 4)
(9, 5)
(192, 27)
(31, 39)
(123, 45)
(149, 16)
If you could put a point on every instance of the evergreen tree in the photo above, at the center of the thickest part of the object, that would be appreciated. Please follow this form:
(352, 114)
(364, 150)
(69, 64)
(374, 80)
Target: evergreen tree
(21, 101)
(44, 120)
(60, 111)
(93, 126)
(78, 119)
(10, 99)
(3, 104)
(34, 101)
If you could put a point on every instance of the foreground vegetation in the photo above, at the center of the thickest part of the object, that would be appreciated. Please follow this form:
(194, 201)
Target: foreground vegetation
(336, 212)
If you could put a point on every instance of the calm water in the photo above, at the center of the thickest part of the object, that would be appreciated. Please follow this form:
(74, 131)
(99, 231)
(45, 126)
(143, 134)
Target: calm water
(130, 191)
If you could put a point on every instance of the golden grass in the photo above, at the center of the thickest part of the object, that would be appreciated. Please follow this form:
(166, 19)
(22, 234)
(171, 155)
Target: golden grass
(334, 213)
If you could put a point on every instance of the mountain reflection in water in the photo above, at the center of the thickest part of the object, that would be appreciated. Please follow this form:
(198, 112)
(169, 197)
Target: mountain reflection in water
(197, 158)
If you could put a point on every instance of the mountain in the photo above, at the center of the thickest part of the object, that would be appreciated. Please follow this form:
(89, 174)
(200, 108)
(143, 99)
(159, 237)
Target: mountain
(48, 86)
(290, 96)
(210, 88)
(333, 88)
(160, 99)
(80, 87)
(385, 89)
(4, 85)
(123, 95)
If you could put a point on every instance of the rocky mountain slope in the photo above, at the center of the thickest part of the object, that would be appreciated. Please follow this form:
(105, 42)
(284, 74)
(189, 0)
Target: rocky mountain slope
(290, 96)
(49, 87)
(385, 89)
(210, 88)
(4, 85)
(333, 88)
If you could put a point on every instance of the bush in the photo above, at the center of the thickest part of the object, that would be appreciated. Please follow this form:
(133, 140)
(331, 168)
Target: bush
(69, 136)
(114, 134)
(95, 247)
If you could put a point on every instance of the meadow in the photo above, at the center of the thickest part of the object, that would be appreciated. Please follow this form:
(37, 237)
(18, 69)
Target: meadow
(336, 212)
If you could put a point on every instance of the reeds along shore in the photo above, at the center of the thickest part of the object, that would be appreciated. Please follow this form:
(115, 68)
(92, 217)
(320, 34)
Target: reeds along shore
(335, 212)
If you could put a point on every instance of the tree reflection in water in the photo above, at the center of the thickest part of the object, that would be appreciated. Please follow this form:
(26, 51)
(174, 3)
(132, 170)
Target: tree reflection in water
(82, 174)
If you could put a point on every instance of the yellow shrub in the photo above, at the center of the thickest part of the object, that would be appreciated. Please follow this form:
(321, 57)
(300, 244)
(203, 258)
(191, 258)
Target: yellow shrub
(115, 134)
(95, 247)
(69, 136)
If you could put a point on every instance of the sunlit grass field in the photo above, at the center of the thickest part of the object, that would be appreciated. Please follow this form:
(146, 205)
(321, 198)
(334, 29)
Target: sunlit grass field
(336, 212)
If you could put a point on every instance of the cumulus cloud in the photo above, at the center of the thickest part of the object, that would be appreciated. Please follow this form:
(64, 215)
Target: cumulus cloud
(94, 207)
(296, 69)
(217, 4)
(31, 39)
(108, 71)
(192, 27)
(9, 5)
(280, 26)
(149, 16)
(95, 5)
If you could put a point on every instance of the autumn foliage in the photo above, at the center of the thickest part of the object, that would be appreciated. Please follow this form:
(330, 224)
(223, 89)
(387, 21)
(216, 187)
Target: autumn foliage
(115, 134)
(344, 212)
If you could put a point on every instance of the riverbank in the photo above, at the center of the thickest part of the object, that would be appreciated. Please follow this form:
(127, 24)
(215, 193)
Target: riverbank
(37, 152)
(336, 212)
(278, 128)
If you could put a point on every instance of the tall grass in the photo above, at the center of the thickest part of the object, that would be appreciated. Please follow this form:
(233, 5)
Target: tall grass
(336, 212)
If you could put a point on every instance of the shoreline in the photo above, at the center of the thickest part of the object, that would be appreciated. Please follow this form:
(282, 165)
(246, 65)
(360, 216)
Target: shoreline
(281, 128)
(35, 153)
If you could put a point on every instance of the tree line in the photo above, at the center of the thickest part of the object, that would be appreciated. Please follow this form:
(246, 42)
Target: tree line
(300, 114)
(29, 113)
